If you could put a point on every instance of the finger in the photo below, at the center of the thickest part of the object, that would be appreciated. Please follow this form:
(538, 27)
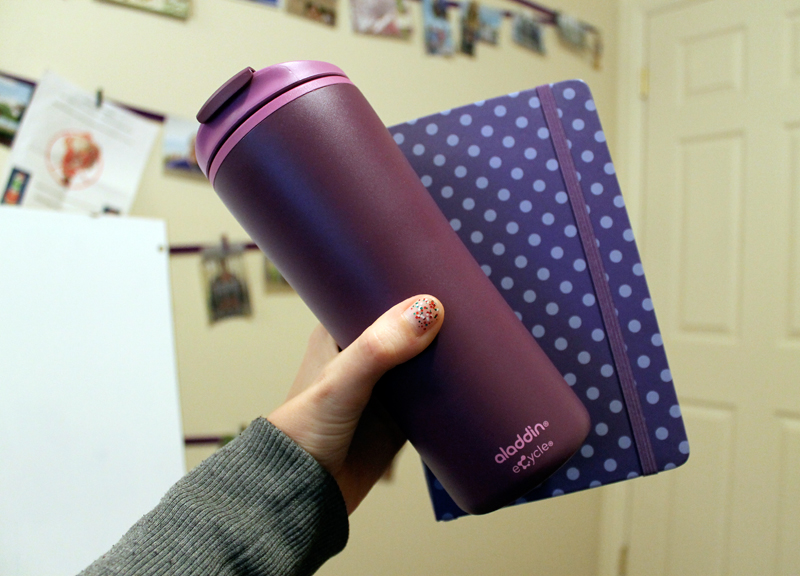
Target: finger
(321, 349)
(397, 336)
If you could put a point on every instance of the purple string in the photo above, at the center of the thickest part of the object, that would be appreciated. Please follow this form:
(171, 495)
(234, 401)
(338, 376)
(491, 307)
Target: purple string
(604, 299)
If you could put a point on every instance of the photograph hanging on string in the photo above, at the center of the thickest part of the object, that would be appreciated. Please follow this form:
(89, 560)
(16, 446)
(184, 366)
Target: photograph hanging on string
(175, 8)
(470, 27)
(489, 21)
(274, 282)
(225, 281)
(178, 146)
(528, 33)
(381, 17)
(15, 95)
(323, 11)
(437, 29)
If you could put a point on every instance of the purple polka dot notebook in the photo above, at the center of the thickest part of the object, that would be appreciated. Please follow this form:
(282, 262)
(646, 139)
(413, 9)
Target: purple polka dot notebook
(527, 182)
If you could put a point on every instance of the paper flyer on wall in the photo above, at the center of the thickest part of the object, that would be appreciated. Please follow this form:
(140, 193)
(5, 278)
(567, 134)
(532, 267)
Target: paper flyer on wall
(72, 155)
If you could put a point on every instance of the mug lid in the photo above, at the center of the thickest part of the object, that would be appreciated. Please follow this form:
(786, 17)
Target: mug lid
(243, 94)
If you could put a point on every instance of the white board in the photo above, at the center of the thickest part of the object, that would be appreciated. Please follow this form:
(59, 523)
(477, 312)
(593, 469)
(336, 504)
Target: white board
(90, 431)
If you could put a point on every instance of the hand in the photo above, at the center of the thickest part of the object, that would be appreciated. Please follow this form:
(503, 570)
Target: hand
(329, 411)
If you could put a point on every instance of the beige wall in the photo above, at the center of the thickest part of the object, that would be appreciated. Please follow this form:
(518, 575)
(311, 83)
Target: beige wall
(237, 370)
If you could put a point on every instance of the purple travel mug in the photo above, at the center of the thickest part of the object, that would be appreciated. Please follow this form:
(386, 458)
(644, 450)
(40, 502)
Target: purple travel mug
(303, 162)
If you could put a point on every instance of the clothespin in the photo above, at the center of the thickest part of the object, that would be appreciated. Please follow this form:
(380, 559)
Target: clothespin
(99, 99)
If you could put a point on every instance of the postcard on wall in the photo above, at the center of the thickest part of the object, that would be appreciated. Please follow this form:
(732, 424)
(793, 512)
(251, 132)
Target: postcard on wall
(225, 279)
(71, 154)
(178, 146)
(323, 11)
(15, 95)
(176, 8)
(274, 3)
(528, 33)
(489, 21)
(381, 17)
(438, 32)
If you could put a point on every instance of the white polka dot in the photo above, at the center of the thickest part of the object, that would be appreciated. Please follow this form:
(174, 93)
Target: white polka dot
(662, 433)
(570, 378)
(455, 224)
(507, 283)
(543, 133)
(474, 150)
(587, 451)
(573, 473)
(570, 231)
(529, 296)
(625, 291)
(561, 197)
(599, 136)
(619, 201)
(647, 304)
(548, 218)
(565, 287)
(601, 429)
(525, 206)
(479, 103)
(538, 331)
(596, 188)
(468, 204)
(615, 406)
(643, 361)
(595, 483)
(539, 185)
(522, 122)
(460, 171)
(530, 153)
(578, 124)
(431, 129)
(557, 252)
(561, 344)
(652, 397)
(508, 141)
(634, 326)
(675, 411)
(495, 162)
(520, 261)
(575, 322)
(589, 105)
(552, 165)
(500, 111)
(598, 335)
(592, 393)
(411, 122)
(487, 131)
(482, 182)
(638, 270)
(569, 93)
(608, 168)
(584, 357)
(426, 180)
(465, 119)
(447, 192)
(543, 273)
(498, 249)
(615, 256)
(439, 160)
(551, 308)
(656, 340)
(632, 475)
(683, 447)
(490, 215)
(517, 173)
(487, 269)
(418, 149)
(666, 375)
(452, 140)
(606, 370)
(606, 222)
(624, 442)
(588, 299)
(503, 194)
(399, 138)
(534, 239)
(628, 235)
(518, 315)
(476, 237)
(445, 112)
(533, 102)
(587, 155)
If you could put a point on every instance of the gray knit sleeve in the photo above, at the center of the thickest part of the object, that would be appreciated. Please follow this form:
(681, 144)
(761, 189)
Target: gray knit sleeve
(261, 505)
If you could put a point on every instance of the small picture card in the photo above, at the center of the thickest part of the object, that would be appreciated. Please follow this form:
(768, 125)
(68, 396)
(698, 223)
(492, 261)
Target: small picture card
(381, 17)
(528, 33)
(178, 146)
(175, 8)
(227, 292)
(15, 95)
(438, 32)
(274, 3)
(323, 11)
(470, 27)
(15, 188)
(274, 282)
(489, 20)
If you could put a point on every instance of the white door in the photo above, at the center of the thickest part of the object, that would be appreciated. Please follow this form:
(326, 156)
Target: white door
(719, 206)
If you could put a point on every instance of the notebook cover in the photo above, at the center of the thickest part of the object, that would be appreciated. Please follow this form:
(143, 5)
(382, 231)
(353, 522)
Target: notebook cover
(493, 169)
